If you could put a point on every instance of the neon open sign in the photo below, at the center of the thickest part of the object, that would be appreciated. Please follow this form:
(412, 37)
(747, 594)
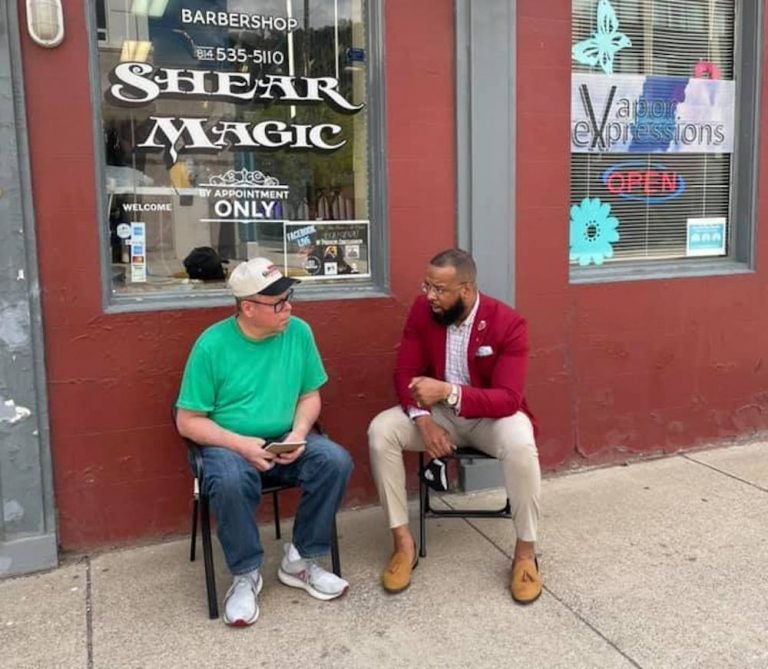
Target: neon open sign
(640, 181)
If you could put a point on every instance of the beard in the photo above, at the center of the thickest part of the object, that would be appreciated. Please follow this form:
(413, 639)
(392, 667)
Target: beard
(450, 315)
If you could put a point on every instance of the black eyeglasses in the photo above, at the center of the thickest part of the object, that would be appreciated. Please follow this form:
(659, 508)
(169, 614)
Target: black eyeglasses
(428, 288)
(277, 306)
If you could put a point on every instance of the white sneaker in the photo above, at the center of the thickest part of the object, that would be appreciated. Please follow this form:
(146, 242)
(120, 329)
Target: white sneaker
(241, 604)
(297, 572)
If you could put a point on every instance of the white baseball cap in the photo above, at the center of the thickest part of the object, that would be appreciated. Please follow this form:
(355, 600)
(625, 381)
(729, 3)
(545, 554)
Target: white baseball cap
(258, 276)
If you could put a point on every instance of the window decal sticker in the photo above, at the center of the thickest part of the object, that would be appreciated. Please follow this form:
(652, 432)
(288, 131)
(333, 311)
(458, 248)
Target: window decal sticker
(593, 232)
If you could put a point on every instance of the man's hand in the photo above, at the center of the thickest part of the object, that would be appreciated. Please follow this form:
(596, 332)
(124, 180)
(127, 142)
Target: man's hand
(427, 392)
(292, 456)
(252, 449)
(435, 437)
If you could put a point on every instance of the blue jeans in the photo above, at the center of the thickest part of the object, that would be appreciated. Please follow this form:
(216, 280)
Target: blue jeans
(233, 487)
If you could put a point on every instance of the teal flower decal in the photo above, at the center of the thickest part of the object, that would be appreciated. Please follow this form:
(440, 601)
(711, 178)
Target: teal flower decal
(604, 43)
(593, 230)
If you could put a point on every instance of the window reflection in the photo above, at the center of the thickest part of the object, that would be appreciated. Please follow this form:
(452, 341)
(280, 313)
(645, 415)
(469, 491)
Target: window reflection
(239, 176)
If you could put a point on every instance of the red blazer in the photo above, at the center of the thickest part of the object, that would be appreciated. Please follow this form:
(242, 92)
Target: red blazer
(499, 334)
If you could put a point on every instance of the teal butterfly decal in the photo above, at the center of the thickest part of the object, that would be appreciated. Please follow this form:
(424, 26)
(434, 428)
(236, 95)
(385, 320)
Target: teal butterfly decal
(604, 42)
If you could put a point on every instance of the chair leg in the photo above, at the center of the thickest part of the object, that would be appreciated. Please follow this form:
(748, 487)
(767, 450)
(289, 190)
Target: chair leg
(423, 507)
(195, 505)
(276, 507)
(335, 561)
(210, 576)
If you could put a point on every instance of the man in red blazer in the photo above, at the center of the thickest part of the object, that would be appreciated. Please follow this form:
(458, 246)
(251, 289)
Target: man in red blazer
(459, 376)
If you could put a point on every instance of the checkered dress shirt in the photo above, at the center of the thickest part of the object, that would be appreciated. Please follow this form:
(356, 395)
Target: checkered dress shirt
(456, 343)
(456, 367)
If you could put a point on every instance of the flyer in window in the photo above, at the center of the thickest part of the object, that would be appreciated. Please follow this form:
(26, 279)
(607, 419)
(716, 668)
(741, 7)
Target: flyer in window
(138, 252)
(327, 249)
(705, 237)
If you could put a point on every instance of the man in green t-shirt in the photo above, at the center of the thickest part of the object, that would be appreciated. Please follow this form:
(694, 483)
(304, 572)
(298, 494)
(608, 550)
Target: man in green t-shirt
(251, 379)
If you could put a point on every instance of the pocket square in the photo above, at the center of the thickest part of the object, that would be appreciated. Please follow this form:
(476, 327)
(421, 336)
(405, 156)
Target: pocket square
(484, 352)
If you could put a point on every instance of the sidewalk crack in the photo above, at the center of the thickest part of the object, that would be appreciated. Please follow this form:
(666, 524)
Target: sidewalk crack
(573, 611)
(88, 611)
(723, 472)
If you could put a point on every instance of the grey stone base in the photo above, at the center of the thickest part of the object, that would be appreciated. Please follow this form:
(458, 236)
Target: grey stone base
(23, 556)
(480, 474)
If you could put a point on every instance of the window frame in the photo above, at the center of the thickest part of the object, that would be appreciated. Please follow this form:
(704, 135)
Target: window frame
(378, 285)
(748, 44)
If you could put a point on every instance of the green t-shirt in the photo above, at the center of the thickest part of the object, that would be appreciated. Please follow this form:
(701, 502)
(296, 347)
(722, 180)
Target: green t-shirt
(247, 386)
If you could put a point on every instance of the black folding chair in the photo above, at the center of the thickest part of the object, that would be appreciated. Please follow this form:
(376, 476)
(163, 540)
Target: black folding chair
(201, 508)
(426, 511)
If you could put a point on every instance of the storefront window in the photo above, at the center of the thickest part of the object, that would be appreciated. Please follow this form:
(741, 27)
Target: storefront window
(653, 131)
(234, 129)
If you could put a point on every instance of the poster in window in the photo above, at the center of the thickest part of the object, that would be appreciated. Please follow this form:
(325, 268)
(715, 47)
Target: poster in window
(706, 237)
(327, 249)
(634, 113)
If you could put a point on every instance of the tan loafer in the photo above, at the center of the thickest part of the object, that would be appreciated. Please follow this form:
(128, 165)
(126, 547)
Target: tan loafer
(526, 581)
(397, 576)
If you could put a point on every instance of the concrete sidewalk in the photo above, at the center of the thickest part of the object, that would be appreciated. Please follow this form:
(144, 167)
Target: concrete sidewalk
(655, 564)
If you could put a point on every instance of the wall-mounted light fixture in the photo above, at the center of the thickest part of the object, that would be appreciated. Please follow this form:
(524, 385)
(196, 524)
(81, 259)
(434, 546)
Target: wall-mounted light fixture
(45, 22)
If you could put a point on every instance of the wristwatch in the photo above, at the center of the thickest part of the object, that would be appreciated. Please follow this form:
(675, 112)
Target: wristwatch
(453, 397)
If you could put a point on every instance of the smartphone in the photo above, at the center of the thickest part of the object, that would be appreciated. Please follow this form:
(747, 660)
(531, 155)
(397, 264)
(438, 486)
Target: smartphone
(278, 447)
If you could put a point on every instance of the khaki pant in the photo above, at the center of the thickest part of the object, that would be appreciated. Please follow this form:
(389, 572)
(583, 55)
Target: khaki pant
(509, 439)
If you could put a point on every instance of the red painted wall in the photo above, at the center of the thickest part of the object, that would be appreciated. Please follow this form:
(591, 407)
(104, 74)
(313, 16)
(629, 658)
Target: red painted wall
(617, 369)
(119, 469)
(624, 368)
